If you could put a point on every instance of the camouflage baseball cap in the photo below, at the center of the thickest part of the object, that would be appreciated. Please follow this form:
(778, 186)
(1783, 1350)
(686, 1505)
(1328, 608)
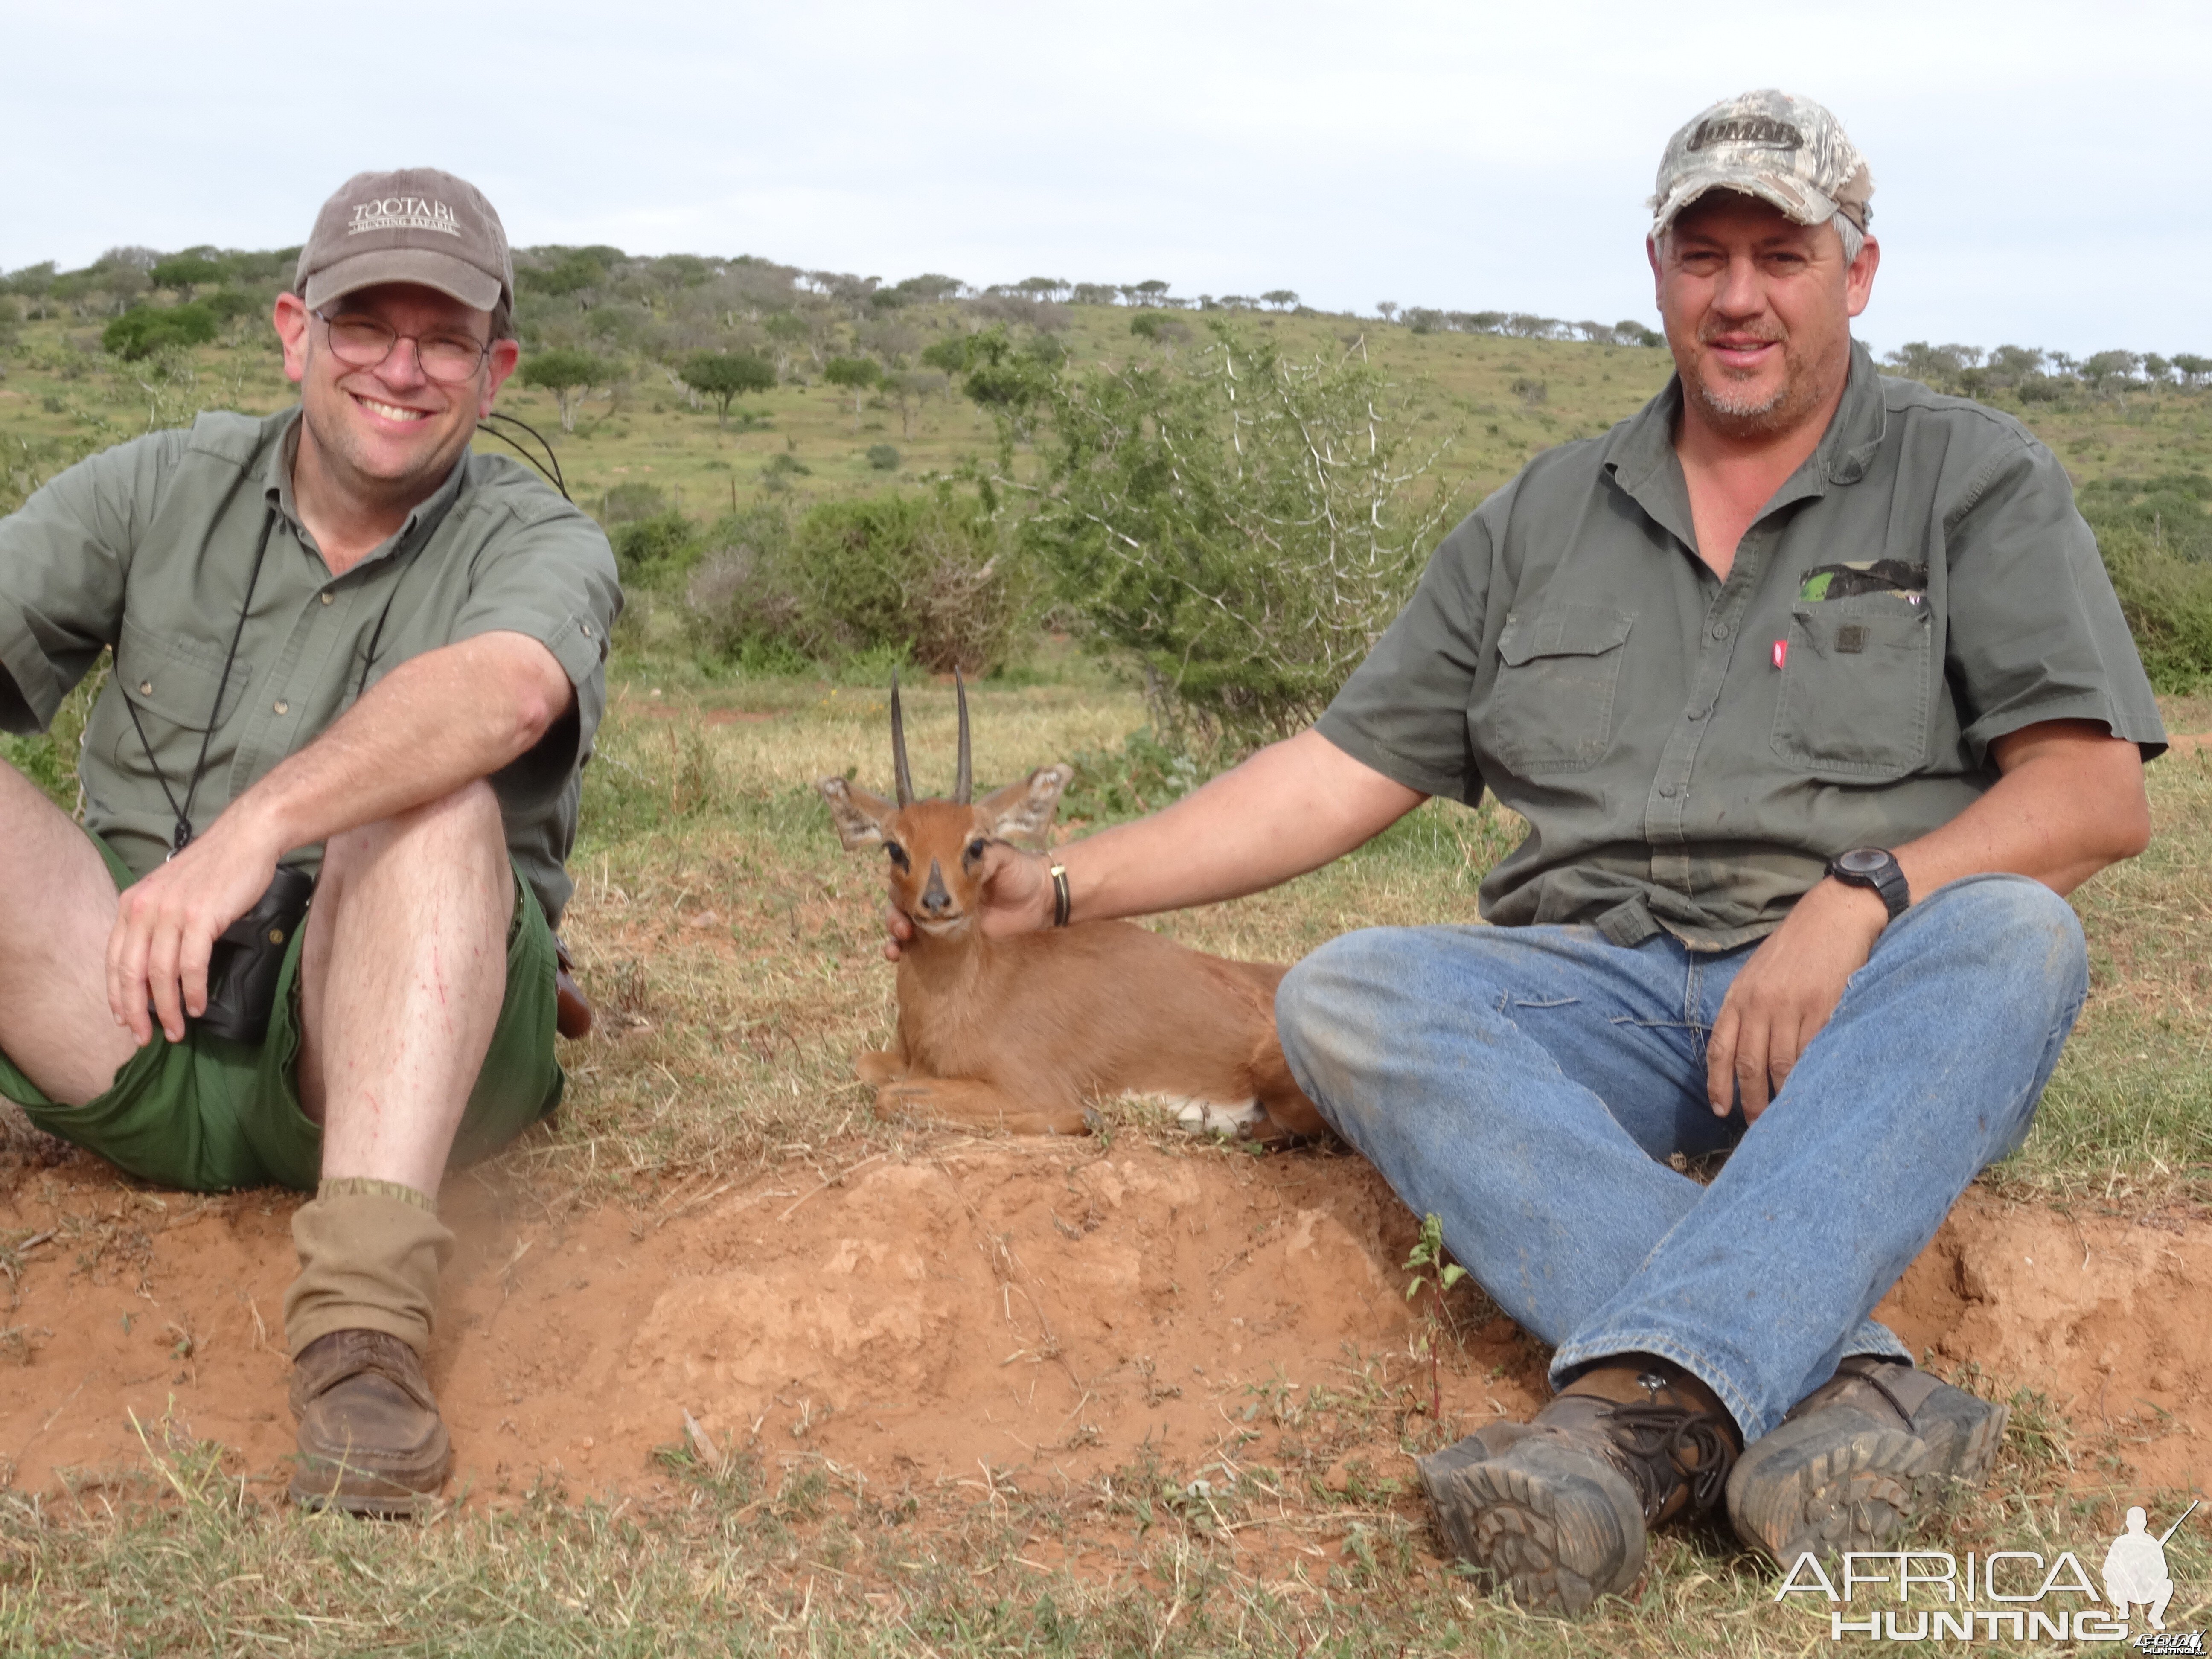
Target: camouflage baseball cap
(1785, 149)
(415, 225)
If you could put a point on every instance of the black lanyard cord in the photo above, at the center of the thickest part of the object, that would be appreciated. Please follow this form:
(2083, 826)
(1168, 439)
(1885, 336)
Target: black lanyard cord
(553, 471)
(181, 836)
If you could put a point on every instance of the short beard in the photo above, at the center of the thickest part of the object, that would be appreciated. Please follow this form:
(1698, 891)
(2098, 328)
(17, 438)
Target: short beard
(1744, 416)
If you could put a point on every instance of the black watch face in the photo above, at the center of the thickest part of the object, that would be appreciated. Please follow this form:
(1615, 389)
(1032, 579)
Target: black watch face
(1863, 861)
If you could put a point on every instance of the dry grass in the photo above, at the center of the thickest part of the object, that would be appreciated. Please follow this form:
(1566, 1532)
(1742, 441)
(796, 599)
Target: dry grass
(732, 950)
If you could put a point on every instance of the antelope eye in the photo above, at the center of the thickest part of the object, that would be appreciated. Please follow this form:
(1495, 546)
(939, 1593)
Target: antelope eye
(977, 847)
(898, 855)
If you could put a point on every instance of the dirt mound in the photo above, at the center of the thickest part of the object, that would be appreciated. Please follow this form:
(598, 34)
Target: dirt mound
(986, 1308)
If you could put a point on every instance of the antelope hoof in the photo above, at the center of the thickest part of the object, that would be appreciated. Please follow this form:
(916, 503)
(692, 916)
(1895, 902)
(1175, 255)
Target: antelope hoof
(1208, 1118)
(876, 1067)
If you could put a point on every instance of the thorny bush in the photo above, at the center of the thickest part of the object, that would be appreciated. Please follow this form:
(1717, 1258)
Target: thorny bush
(1243, 524)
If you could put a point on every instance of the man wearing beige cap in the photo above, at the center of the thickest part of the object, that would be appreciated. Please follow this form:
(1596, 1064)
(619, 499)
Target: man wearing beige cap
(1815, 697)
(353, 660)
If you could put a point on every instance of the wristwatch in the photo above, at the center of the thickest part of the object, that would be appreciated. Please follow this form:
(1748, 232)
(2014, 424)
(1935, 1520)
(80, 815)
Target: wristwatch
(1876, 869)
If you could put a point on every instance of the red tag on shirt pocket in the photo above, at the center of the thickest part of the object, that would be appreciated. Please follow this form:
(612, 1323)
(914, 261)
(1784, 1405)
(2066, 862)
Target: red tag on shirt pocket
(1781, 653)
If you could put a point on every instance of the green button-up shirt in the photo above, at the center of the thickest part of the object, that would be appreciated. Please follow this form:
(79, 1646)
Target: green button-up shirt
(1690, 752)
(150, 548)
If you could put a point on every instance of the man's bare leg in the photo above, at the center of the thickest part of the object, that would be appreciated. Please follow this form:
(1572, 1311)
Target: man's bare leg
(404, 970)
(57, 909)
(401, 975)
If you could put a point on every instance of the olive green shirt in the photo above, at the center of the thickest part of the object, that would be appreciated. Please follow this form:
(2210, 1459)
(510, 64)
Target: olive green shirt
(149, 548)
(1690, 752)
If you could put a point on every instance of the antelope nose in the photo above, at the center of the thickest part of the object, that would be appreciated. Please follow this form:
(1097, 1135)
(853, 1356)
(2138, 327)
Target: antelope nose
(935, 901)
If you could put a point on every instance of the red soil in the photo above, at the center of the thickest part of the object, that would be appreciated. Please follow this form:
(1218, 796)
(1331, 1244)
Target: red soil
(988, 1306)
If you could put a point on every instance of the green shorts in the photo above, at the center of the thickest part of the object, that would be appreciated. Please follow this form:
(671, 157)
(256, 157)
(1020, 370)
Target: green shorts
(209, 1115)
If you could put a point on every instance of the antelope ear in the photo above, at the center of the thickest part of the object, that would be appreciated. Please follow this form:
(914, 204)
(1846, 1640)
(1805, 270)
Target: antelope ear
(858, 815)
(1026, 808)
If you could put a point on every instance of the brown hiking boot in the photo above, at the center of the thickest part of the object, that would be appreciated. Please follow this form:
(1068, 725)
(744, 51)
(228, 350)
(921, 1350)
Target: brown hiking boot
(370, 1439)
(1557, 1512)
(1847, 1467)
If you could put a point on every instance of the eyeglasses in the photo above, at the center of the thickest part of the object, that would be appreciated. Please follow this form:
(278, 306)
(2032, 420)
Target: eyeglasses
(361, 342)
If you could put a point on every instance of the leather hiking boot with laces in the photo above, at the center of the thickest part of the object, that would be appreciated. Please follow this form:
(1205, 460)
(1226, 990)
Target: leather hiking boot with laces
(1555, 1510)
(1847, 1467)
(370, 1441)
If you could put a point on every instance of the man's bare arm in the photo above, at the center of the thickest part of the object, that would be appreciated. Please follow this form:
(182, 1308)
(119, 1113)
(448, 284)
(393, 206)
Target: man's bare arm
(2071, 801)
(1291, 808)
(435, 723)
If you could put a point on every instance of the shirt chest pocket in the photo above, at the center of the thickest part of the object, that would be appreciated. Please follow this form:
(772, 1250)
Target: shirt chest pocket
(170, 685)
(1559, 669)
(1855, 689)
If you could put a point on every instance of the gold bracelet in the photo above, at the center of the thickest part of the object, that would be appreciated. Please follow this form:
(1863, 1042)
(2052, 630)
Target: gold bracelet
(1062, 900)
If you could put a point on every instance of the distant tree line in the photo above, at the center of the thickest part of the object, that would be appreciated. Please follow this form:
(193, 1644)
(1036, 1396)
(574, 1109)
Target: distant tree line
(2034, 375)
(597, 320)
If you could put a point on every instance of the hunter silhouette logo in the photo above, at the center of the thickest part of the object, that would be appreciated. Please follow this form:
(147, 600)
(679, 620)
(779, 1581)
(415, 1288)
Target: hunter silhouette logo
(2134, 1569)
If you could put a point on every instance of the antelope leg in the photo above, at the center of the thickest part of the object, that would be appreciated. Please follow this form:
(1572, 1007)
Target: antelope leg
(878, 1067)
(979, 1105)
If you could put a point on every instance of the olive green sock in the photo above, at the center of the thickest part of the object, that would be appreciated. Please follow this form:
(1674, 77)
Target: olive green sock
(370, 1253)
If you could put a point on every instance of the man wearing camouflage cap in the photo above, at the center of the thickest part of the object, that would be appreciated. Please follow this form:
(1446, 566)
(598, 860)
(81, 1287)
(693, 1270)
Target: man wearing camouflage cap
(350, 653)
(1813, 691)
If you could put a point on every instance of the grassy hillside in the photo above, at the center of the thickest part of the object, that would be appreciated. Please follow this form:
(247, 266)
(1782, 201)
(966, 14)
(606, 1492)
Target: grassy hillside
(62, 396)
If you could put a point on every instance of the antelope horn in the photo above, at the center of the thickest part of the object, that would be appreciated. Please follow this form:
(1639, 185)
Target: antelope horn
(900, 769)
(964, 783)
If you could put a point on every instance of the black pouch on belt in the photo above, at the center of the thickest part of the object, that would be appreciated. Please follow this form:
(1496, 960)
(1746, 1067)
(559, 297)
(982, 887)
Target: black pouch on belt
(248, 954)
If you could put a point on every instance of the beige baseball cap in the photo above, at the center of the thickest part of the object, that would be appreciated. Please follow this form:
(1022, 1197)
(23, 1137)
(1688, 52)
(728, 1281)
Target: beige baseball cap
(1783, 149)
(414, 225)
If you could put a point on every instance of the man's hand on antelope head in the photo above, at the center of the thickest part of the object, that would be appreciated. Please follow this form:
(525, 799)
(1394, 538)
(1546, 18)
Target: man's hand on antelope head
(1014, 895)
(948, 866)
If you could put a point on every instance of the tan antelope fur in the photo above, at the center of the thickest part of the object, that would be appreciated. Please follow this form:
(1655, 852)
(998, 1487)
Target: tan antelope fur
(1023, 1032)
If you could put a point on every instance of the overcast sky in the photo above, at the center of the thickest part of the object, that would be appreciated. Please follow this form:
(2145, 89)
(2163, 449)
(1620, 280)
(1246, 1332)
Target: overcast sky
(2042, 169)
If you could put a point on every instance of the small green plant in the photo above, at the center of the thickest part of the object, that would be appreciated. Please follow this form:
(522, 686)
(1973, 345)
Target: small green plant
(1432, 1271)
(883, 457)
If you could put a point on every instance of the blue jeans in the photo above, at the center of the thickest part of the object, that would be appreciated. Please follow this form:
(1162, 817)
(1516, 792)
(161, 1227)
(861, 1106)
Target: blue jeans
(1526, 1085)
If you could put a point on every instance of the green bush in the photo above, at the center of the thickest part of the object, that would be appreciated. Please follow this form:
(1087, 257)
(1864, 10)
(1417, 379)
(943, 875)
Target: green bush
(884, 458)
(1141, 776)
(2174, 509)
(182, 271)
(738, 602)
(2167, 600)
(657, 552)
(149, 329)
(625, 502)
(925, 578)
(1244, 526)
(227, 305)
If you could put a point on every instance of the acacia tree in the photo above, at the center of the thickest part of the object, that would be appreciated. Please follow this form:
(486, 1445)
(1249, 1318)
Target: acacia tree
(1281, 298)
(907, 389)
(725, 376)
(853, 375)
(568, 374)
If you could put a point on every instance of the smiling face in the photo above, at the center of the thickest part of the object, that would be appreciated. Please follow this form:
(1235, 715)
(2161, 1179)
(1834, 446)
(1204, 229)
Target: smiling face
(389, 431)
(1757, 310)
